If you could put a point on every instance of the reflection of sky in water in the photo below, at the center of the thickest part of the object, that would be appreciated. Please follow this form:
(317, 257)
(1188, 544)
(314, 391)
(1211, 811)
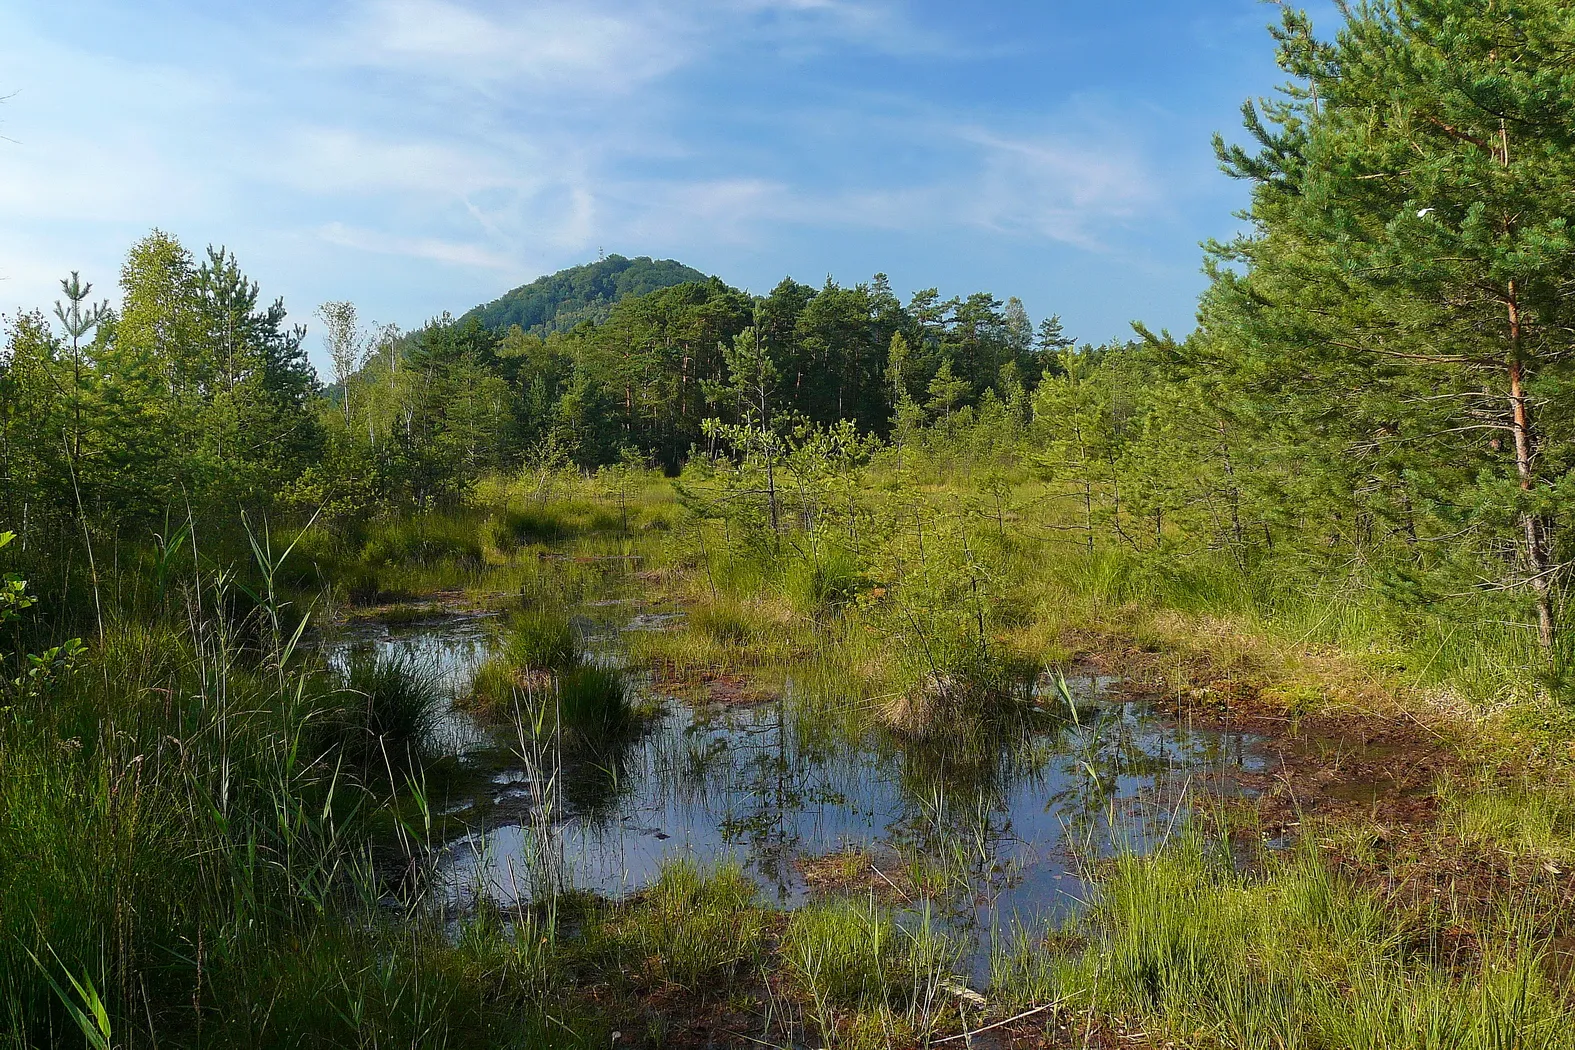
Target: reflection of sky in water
(772, 784)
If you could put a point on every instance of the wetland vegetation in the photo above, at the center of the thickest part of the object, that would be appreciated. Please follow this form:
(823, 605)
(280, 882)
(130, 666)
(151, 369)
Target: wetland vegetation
(817, 669)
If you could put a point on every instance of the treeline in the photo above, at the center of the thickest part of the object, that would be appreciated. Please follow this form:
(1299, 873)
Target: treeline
(1377, 399)
(192, 396)
(455, 399)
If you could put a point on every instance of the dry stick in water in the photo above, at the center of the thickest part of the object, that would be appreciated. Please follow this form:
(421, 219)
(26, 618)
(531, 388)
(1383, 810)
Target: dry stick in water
(999, 1024)
(893, 885)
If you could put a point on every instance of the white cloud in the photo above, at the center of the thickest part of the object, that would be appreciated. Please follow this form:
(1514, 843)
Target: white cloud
(344, 160)
(590, 48)
(1060, 187)
(817, 25)
(450, 253)
(701, 211)
(580, 47)
(1065, 188)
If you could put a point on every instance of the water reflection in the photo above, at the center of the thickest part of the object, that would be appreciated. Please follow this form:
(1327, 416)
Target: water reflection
(1000, 822)
(450, 648)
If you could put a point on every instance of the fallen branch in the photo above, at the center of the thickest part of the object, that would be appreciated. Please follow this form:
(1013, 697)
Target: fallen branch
(999, 1024)
(893, 885)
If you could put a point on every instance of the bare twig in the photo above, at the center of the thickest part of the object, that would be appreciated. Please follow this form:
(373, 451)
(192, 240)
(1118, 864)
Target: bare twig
(999, 1024)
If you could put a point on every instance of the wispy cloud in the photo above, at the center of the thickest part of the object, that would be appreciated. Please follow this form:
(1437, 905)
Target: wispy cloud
(581, 47)
(810, 26)
(1061, 187)
(1069, 188)
(450, 253)
(597, 47)
(347, 160)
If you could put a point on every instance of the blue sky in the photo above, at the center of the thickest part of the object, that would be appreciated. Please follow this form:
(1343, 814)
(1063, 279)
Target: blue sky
(416, 156)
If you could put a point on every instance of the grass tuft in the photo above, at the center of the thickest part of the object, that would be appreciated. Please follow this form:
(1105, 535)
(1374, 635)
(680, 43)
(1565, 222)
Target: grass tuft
(388, 710)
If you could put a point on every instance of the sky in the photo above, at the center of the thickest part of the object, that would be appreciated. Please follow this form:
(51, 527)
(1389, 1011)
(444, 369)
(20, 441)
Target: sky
(417, 156)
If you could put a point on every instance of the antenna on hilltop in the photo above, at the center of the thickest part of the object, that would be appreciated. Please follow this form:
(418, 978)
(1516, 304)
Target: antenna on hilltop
(601, 256)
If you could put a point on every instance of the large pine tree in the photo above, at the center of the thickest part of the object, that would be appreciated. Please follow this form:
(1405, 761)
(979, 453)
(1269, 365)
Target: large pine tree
(1400, 316)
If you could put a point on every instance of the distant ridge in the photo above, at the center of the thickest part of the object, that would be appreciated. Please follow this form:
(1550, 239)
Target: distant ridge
(558, 302)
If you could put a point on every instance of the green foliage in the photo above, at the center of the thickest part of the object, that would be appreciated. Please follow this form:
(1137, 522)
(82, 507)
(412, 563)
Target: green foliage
(13, 589)
(1367, 443)
(726, 623)
(1393, 333)
(191, 393)
(569, 297)
(826, 579)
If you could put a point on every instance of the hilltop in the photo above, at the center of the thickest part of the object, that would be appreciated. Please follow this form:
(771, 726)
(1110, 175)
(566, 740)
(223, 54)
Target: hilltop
(559, 301)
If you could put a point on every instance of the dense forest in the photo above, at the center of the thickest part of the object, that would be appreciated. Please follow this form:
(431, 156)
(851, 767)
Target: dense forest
(416, 419)
(1332, 522)
(560, 301)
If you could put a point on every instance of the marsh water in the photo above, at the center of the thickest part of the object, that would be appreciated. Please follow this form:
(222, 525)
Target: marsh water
(1000, 828)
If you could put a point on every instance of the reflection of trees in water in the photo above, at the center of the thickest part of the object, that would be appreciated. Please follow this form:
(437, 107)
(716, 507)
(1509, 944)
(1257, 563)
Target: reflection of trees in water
(784, 779)
(596, 770)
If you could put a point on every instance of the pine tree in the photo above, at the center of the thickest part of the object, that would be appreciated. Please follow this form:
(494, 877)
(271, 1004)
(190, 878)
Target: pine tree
(78, 324)
(1408, 291)
(947, 391)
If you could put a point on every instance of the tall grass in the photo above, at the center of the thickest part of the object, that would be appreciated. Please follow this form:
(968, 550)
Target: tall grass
(868, 972)
(1189, 944)
(540, 639)
(695, 928)
(162, 808)
(594, 703)
(389, 709)
(191, 852)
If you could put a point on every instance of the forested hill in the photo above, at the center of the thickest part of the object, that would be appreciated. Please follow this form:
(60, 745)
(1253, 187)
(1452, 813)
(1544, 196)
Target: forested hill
(558, 302)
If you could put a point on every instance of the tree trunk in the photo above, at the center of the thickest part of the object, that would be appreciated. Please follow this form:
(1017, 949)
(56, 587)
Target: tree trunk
(1232, 491)
(1536, 552)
